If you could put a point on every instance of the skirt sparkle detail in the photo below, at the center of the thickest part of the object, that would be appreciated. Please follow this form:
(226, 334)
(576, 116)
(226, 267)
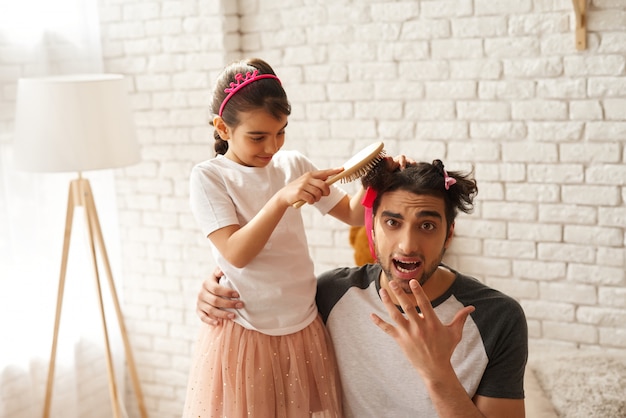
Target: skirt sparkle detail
(237, 372)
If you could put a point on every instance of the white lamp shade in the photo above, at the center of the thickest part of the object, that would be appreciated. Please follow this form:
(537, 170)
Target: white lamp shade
(74, 123)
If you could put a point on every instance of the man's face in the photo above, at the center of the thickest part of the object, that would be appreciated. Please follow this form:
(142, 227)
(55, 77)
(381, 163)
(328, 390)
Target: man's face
(410, 236)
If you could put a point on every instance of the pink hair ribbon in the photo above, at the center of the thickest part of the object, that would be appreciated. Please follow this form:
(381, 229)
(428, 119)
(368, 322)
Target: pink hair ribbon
(448, 181)
(368, 203)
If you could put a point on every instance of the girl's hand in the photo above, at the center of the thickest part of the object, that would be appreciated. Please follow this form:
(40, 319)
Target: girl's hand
(310, 187)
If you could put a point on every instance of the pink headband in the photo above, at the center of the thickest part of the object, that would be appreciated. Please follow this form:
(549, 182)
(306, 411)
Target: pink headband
(368, 203)
(240, 82)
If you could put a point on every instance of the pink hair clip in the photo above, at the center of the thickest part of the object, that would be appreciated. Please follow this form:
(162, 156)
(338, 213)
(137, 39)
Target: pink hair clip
(368, 203)
(447, 180)
(240, 82)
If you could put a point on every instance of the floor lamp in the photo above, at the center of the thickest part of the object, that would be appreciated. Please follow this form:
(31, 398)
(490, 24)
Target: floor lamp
(74, 124)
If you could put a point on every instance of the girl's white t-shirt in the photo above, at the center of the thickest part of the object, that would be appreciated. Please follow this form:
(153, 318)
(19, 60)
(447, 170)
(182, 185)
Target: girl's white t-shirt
(278, 286)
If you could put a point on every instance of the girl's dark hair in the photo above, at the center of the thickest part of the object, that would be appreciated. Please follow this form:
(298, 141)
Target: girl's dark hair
(425, 178)
(267, 94)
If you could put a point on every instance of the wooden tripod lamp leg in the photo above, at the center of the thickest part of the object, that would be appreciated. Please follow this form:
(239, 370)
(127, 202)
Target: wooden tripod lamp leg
(71, 204)
(86, 198)
(96, 230)
(80, 194)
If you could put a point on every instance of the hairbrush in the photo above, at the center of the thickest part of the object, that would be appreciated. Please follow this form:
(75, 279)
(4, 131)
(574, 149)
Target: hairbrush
(356, 167)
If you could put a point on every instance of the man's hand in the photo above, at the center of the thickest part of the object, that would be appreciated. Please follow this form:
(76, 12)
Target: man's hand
(425, 341)
(213, 299)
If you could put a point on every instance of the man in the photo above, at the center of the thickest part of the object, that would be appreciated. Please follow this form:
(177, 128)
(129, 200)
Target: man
(471, 367)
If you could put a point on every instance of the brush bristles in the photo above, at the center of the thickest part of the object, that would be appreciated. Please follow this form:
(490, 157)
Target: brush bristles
(365, 169)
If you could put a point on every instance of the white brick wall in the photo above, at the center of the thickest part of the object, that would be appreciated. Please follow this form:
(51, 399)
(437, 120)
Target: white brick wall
(493, 85)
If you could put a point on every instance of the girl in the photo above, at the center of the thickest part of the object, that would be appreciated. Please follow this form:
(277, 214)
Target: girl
(275, 359)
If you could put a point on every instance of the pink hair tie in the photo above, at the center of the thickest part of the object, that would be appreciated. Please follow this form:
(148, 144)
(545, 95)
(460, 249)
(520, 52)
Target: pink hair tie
(368, 203)
(447, 180)
(241, 81)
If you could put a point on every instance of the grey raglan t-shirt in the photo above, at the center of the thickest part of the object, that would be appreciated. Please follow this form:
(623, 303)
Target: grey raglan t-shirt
(376, 377)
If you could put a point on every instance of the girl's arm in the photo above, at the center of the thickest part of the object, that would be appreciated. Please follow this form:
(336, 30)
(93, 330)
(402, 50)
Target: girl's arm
(240, 244)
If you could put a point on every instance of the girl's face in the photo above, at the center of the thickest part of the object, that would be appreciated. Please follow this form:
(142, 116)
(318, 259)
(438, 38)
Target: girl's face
(255, 140)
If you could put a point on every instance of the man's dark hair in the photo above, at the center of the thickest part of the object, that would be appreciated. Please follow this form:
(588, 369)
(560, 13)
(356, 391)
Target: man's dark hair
(425, 179)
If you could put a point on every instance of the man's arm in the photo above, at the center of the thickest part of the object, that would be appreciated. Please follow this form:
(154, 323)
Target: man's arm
(213, 299)
(428, 345)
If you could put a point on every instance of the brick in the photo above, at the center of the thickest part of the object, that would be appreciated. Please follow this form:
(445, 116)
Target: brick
(425, 29)
(565, 252)
(555, 174)
(498, 130)
(595, 235)
(568, 213)
(543, 309)
(423, 70)
(590, 195)
(539, 270)
(612, 337)
(590, 152)
(518, 289)
(430, 110)
(585, 110)
(539, 110)
(506, 89)
(520, 151)
(594, 65)
(614, 109)
(570, 332)
(596, 274)
(561, 89)
(455, 48)
(509, 249)
(479, 27)
(483, 110)
(474, 151)
(554, 131)
(533, 67)
(530, 192)
(441, 130)
(603, 87)
(494, 7)
(513, 211)
(506, 172)
(446, 8)
(612, 296)
(597, 315)
(538, 24)
(613, 257)
(511, 47)
(481, 266)
(534, 232)
(481, 69)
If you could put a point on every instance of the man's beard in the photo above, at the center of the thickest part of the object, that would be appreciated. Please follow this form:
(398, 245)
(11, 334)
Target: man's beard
(425, 276)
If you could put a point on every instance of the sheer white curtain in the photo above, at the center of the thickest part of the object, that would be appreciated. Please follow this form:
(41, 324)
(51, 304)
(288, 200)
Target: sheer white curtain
(38, 38)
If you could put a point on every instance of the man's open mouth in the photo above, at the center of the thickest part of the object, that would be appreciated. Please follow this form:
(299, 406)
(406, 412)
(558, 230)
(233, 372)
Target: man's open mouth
(406, 267)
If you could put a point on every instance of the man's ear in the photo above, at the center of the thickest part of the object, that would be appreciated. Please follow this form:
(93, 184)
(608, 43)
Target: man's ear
(221, 128)
(449, 237)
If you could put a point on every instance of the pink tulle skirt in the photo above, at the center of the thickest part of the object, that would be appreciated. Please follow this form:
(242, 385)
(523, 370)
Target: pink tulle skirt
(237, 372)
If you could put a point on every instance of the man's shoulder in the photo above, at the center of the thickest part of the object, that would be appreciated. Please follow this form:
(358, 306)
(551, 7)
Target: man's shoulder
(333, 284)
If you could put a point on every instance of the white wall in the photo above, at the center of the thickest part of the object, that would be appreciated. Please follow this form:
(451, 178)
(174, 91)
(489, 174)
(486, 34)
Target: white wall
(494, 85)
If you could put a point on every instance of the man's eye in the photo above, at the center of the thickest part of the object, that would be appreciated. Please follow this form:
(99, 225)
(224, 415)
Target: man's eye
(428, 226)
(391, 222)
